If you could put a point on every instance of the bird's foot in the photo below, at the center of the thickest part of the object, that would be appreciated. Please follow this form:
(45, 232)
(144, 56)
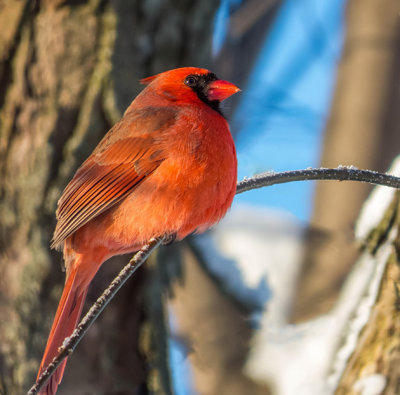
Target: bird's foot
(169, 239)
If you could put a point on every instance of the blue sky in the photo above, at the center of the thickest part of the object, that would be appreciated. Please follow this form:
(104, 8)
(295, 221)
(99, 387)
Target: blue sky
(284, 107)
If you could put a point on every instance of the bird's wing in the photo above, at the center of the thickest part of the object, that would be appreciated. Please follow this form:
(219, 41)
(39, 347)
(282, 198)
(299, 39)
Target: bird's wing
(128, 154)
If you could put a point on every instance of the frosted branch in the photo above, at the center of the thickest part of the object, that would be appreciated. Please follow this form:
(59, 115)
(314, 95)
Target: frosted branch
(341, 173)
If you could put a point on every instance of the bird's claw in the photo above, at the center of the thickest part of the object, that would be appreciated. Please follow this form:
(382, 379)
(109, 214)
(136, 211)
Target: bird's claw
(169, 239)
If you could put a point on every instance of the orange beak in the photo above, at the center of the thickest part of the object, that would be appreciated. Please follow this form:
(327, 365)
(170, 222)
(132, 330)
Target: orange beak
(221, 90)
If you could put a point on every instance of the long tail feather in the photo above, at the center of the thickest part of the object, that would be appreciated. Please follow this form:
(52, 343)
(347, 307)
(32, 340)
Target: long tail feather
(67, 316)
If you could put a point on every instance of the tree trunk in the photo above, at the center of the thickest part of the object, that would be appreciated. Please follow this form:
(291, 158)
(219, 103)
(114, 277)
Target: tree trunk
(363, 130)
(377, 354)
(68, 69)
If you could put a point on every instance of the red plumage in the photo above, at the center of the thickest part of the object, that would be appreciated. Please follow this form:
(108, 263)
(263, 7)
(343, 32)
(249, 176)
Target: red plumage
(167, 167)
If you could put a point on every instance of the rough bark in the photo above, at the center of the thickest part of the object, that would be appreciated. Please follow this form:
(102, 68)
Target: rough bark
(363, 130)
(378, 346)
(68, 69)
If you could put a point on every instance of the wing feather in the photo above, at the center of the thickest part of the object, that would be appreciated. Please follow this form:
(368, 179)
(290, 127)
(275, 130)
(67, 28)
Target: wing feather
(115, 168)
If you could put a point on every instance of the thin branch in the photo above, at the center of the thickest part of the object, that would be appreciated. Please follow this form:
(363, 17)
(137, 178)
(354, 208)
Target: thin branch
(341, 173)
(72, 341)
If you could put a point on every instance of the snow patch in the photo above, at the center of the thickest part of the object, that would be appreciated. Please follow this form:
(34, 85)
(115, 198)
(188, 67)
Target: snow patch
(366, 276)
(309, 358)
(265, 244)
(376, 204)
(373, 384)
(254, 294)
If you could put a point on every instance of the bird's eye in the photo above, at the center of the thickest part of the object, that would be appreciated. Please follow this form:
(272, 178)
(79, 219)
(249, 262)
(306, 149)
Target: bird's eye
(191, 80)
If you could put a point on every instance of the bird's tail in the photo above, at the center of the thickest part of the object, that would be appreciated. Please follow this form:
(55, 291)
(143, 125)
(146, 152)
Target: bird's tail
(67, 316)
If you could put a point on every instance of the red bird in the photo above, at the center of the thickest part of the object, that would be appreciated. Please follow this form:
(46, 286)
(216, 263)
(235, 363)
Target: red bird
(168, 167)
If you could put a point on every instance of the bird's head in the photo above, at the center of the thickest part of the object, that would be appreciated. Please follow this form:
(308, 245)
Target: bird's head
(191, 85)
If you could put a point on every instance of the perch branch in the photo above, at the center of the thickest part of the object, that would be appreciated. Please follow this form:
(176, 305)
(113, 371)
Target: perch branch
(341, 173)
(72, 341)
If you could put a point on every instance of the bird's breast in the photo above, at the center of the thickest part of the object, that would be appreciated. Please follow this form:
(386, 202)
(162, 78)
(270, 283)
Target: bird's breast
(191, 189)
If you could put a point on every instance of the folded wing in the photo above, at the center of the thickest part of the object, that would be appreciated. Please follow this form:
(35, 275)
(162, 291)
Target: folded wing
(113, 171)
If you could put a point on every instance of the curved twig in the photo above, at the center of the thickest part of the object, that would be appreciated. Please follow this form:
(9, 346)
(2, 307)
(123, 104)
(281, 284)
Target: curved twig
(341, 173)
(72, 341)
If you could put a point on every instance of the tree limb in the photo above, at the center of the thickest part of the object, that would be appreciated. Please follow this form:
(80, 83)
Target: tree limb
(72, 341)
(341, 173)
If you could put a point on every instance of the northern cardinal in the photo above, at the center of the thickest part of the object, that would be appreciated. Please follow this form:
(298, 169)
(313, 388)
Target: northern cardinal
(167, 168)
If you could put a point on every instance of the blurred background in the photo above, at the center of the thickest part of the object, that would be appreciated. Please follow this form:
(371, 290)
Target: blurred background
(232, 311)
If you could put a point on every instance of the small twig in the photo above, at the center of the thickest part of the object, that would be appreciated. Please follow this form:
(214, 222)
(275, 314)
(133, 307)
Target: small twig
(342, 173)
(261, 180)
(71, 342)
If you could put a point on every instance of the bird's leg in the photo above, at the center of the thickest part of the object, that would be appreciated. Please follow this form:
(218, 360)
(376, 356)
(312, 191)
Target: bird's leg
(169, 239)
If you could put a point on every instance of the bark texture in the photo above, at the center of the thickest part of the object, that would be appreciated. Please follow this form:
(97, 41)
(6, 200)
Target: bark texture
(68, 69)
(363, 130)
(378, 347)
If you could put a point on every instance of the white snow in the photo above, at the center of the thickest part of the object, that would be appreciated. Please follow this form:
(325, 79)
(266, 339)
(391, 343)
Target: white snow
(226, 269)
(348, 167)
(304, 359)
(376, 204)
(358, 298)
(373, 384)
(266, 246)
